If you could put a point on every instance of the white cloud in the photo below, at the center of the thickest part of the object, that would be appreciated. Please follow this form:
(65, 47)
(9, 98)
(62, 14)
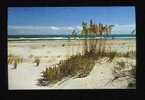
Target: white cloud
(54, 28)
(117, 29)
(123, 29)
(79, 28)
(42, 29)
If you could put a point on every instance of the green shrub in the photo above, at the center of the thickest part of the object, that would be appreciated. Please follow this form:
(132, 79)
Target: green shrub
(131, 85)
(76, 65)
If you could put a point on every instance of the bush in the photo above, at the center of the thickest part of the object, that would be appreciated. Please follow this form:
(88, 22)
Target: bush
(132, 85)
(76, 65)
(12, 59)
(37, 61)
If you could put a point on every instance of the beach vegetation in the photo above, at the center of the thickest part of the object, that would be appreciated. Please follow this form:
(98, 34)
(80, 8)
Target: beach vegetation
(122, 70)
(76, 65)
(37, 61)
(15, 60)
(80, 65)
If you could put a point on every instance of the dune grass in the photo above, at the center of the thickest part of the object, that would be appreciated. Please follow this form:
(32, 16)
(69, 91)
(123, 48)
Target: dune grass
(12, 58)
(76, 65)
(15, 60)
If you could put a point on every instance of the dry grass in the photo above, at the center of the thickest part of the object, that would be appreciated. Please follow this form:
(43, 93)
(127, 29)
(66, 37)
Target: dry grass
(12, 58)
(15, 60)
(78, 65)
(37, 61)
(120, 72)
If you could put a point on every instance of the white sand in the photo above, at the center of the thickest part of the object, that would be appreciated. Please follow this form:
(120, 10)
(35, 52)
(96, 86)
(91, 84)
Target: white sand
(26, 74)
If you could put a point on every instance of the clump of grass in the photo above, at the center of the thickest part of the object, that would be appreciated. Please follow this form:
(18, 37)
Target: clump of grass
(76, 65)
(15, 60)
(63, 45)
(80, 65)
(132, 84)
(119, 72)
(37, 61)
(121, 64)
(111, 55)
(130, 54)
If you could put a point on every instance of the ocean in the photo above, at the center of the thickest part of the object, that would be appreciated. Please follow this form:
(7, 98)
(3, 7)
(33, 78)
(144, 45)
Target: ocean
(67, 37)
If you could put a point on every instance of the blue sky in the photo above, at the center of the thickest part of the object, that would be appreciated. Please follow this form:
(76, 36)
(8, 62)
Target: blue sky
(62, 20)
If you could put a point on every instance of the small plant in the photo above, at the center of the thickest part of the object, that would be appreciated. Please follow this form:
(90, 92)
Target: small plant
(37, 61)
(119, 72)
(76, 65)
(121, 64)
(132, 85)
(63, 45)
(15, 60)
(127, 54)
(110, 55)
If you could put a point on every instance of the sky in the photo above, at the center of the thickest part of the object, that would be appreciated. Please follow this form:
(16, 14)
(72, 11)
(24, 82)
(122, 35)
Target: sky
(62, 20)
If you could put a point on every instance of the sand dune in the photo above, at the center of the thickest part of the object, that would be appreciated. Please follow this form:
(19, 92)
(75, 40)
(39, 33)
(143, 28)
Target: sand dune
(50, 53)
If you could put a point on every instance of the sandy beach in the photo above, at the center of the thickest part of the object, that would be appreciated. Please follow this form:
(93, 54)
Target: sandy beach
(51, 52)
(71, 48)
